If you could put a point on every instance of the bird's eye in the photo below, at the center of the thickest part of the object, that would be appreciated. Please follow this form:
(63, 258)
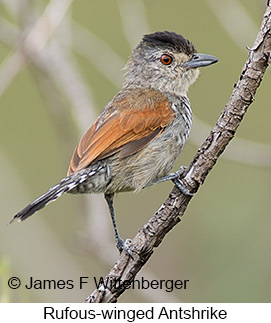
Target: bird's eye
(166, 59)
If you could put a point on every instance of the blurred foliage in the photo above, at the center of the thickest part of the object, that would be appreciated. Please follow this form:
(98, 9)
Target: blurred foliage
(223, 242)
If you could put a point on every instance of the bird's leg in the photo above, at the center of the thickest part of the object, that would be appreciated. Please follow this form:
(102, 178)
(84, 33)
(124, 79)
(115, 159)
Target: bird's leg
(175, 178)
(120, 244)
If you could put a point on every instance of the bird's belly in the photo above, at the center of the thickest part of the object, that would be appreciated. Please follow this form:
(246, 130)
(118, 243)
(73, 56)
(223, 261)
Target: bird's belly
(132, 173)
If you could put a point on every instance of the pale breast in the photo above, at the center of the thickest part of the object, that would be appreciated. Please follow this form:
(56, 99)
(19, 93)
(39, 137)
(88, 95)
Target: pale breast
(157, 158)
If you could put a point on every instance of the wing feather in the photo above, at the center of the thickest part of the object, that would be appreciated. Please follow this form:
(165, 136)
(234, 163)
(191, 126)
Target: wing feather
(127, 125)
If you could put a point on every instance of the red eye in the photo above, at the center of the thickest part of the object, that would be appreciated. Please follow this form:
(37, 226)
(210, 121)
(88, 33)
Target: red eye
(166, 59)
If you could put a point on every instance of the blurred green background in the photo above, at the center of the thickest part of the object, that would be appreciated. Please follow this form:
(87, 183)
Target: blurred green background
(60, 63)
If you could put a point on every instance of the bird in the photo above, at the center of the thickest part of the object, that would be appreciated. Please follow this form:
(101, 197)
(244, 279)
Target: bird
(136, 139)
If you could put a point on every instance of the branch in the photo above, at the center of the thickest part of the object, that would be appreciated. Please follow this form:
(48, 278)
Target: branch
(169, 214)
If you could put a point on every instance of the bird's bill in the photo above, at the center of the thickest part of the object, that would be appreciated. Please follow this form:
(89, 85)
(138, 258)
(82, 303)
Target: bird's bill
(200, 60)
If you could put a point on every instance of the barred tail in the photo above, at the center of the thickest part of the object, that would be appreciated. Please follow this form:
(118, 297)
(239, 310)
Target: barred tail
(65, 185)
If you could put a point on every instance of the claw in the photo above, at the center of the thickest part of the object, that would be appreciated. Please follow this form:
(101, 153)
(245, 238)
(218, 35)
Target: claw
(124, 246)
(181, 186)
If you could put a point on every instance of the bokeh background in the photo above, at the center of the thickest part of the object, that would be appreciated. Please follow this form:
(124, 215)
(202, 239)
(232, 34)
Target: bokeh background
(60, 62)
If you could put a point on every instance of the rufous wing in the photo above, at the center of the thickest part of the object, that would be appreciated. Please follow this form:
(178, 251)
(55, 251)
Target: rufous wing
(130, 122)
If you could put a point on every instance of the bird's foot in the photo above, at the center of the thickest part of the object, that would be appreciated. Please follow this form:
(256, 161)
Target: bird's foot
(178, 182)
(124, 246)
(175, 178)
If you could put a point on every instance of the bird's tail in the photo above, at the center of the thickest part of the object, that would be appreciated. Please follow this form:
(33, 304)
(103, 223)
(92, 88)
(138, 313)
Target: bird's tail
(65, 185)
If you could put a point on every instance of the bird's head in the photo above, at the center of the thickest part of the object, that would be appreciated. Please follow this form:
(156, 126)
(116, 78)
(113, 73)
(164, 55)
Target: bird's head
(165, 61)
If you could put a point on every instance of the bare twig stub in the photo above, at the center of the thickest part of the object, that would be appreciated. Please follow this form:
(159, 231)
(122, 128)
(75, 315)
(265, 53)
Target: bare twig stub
(153, 232)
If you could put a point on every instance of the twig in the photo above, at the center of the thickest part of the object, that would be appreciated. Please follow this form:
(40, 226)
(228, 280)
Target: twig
(153, 232)
(34, 42)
